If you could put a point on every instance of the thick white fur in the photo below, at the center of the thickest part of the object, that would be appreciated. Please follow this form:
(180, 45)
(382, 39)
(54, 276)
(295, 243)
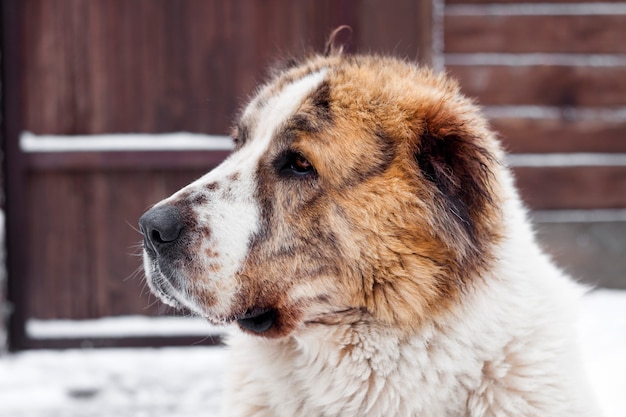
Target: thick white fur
(459, 365)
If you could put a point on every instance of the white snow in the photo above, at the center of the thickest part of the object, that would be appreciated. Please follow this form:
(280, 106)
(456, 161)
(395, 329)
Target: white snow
(603, 332)
(185, 382)
(124, 142)
(118, 327)
(112, 383)
(566, 159)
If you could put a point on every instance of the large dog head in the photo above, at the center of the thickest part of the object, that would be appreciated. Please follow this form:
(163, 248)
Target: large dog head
(359, 186)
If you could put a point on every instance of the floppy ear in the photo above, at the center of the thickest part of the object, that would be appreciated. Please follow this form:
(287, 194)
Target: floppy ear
(456, 168)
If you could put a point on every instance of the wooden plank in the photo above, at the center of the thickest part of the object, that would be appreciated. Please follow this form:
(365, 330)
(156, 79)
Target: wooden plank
(567, 86)
(394, 29)
(526, 135)
(553, 34)
(123, 161)
(59, 241)
(161, 66)
(454, 2)
(123, 66)
(17, 248)
(572, 187)
(148, 66)
(118, 276)
(123, 342)
(84, 247)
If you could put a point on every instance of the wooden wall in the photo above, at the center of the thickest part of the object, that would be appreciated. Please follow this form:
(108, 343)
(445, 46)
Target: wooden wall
(161, 66)
(551, 76)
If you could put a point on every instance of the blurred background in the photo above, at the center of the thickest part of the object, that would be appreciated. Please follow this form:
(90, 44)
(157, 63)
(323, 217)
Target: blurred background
(77, 73)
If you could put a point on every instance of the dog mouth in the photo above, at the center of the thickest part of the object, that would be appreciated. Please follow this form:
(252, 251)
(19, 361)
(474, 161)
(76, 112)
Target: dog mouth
(258, 320)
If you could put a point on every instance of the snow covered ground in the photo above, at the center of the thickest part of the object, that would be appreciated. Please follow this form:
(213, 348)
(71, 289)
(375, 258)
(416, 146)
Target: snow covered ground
(185, 382)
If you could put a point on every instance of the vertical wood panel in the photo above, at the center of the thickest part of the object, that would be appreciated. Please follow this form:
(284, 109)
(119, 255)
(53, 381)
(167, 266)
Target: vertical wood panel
(159, 66)
(394, 29)
(14, 164)
(85, 244)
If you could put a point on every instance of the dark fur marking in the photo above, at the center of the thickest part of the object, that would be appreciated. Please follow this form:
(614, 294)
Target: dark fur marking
(321, 103)
(199, 199)
(458, 168)
(212, 186)
(265, 196)
(381, 161)
(302, 123)
(241, 134)
(313, 120)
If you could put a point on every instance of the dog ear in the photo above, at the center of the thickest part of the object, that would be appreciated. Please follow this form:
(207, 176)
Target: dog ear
(457, 167)
(335, 46)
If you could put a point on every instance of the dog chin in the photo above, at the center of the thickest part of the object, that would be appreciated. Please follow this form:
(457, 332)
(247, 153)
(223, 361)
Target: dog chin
(260, 321)
(158, 285)
(161, 286)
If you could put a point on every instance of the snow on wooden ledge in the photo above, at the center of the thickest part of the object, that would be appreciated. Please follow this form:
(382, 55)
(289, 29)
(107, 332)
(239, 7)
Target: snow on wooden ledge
(121, 327)
(181, 141)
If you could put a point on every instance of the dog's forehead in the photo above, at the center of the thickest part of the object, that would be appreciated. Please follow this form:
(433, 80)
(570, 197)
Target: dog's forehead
(276, 103)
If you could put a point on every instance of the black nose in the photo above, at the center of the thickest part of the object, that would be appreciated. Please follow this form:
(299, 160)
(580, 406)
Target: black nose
(161, 226)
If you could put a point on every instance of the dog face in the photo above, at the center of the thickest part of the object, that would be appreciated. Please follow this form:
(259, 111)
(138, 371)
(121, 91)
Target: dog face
(359, 187)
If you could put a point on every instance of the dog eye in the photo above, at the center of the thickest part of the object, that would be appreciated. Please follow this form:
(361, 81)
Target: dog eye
(300, 164)
(297, 164)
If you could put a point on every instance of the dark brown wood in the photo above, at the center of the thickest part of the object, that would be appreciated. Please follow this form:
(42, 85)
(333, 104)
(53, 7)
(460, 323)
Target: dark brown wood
(566, 86)
(601, 34)
(18, 257)
(162, 66)
(592, 34)
(87, 247)
(121, 161)
(573, 187)
(453, 2)
(395, 35)
(428, 31)
(124, 342)
(561, 135)
(147, 66)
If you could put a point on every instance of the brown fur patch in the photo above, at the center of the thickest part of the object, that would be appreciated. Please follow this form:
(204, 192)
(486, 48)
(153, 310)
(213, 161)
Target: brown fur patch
(395, 222)
(404, 212)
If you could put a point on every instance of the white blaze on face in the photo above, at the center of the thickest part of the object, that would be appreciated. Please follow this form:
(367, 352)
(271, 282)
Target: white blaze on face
(234, 217)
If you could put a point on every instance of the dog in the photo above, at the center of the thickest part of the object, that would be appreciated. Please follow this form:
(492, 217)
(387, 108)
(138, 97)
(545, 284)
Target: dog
(367, 239)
